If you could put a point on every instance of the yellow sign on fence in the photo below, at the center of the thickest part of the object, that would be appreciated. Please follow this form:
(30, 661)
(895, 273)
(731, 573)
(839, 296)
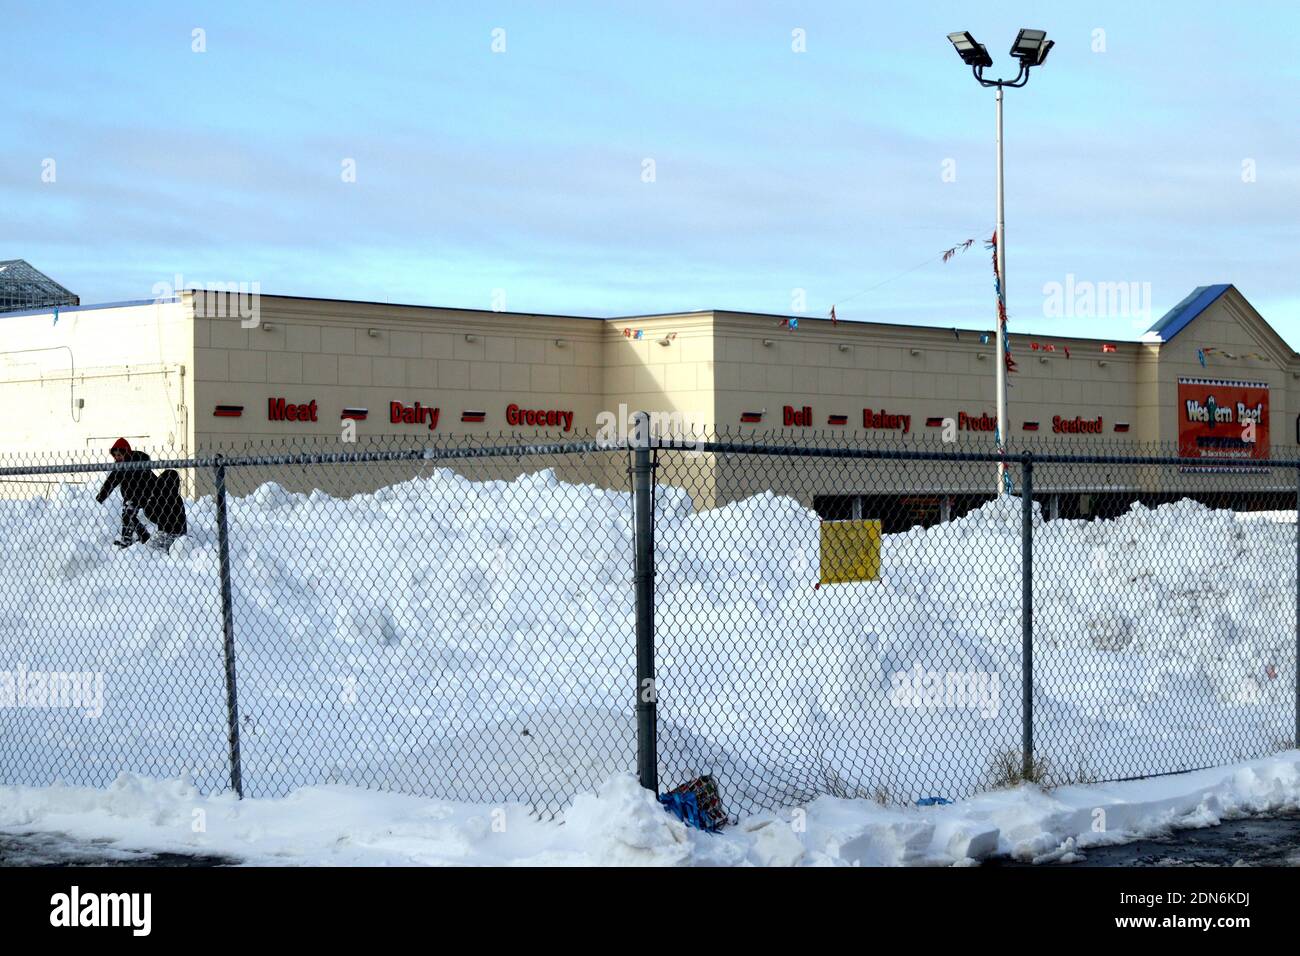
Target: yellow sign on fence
(850, 551)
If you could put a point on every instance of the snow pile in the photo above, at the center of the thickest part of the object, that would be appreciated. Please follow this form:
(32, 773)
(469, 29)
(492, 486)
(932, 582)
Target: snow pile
(622, 825)
(474, 642)
(1164, 640)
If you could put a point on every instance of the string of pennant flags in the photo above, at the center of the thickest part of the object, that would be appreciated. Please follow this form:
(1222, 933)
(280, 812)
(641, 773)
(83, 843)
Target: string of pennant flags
(960, 247)
(640, 333)
(1204, 352)
(985, 337)
(791, 323)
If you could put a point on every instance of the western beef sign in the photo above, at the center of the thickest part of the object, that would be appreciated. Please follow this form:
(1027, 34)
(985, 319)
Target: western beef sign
(1222, 421)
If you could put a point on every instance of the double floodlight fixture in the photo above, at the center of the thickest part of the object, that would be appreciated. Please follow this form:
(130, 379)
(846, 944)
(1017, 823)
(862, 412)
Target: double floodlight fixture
(1031, 49)
(971, 53)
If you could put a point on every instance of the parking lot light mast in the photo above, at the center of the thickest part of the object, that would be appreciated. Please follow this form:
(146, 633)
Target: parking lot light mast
(1031, 49)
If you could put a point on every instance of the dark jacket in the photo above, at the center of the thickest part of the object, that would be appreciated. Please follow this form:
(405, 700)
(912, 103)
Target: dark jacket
(137, 486)
(165, 508)
(157, 496)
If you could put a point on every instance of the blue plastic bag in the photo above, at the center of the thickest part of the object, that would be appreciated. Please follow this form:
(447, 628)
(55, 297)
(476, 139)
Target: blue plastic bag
(697, 804)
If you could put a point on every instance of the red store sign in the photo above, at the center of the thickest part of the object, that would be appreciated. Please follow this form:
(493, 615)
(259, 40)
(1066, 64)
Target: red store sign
(983, 422)
(888, 421)
(796, 417)
(1077, 425)
(417, 414)
(539, 418)
(278, 410)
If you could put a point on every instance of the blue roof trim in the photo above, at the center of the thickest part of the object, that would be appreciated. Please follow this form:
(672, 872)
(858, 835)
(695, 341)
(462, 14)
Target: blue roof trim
(49, 310)
(1181, 315)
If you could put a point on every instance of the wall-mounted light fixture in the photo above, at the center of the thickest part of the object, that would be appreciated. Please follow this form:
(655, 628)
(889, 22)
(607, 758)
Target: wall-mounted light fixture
(469, 337)
(916, 351)
(981, 356)
(561, 343)
(767, 343)
(1043, 359)
(373, 333)
(1101, 363)
(665, 341)
(845, 348)
(267, 327)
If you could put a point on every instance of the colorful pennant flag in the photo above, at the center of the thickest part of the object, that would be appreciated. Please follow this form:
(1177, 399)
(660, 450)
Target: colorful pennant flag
(960, 247)
(1002, 308)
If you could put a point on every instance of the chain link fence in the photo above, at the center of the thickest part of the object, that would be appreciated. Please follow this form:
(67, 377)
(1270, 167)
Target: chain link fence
(513, 620)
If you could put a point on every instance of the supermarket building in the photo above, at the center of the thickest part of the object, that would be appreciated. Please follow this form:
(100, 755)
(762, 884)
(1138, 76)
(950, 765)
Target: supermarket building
(200, 372)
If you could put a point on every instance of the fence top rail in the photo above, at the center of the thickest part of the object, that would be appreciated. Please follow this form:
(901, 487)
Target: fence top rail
(431, 453)
(1010, 456)
(584, 446)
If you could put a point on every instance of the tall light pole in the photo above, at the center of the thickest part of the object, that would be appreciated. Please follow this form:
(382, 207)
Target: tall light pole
(1031, 49)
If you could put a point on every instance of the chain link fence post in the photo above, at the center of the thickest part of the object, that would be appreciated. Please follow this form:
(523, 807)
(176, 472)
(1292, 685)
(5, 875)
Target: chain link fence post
(647, 749)
(228, 630)
(1027, 614)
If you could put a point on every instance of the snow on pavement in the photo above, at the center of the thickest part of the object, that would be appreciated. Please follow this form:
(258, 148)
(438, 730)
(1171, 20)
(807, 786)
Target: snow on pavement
(622, 825)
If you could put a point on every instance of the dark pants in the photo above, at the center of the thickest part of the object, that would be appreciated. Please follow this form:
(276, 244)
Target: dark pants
(132, 529)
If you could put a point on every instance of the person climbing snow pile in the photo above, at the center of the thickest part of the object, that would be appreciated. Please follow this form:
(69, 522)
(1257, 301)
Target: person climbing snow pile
(156, 497)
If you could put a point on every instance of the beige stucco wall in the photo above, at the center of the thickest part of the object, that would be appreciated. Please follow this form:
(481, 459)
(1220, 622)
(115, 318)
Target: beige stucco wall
(306, 350)
(919, 372)
(148, 372)
(309, 350)
(1229, 325)
(71, 388)
(759, 365)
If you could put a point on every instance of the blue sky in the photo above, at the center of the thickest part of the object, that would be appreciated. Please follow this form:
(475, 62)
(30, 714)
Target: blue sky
(774, 170)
